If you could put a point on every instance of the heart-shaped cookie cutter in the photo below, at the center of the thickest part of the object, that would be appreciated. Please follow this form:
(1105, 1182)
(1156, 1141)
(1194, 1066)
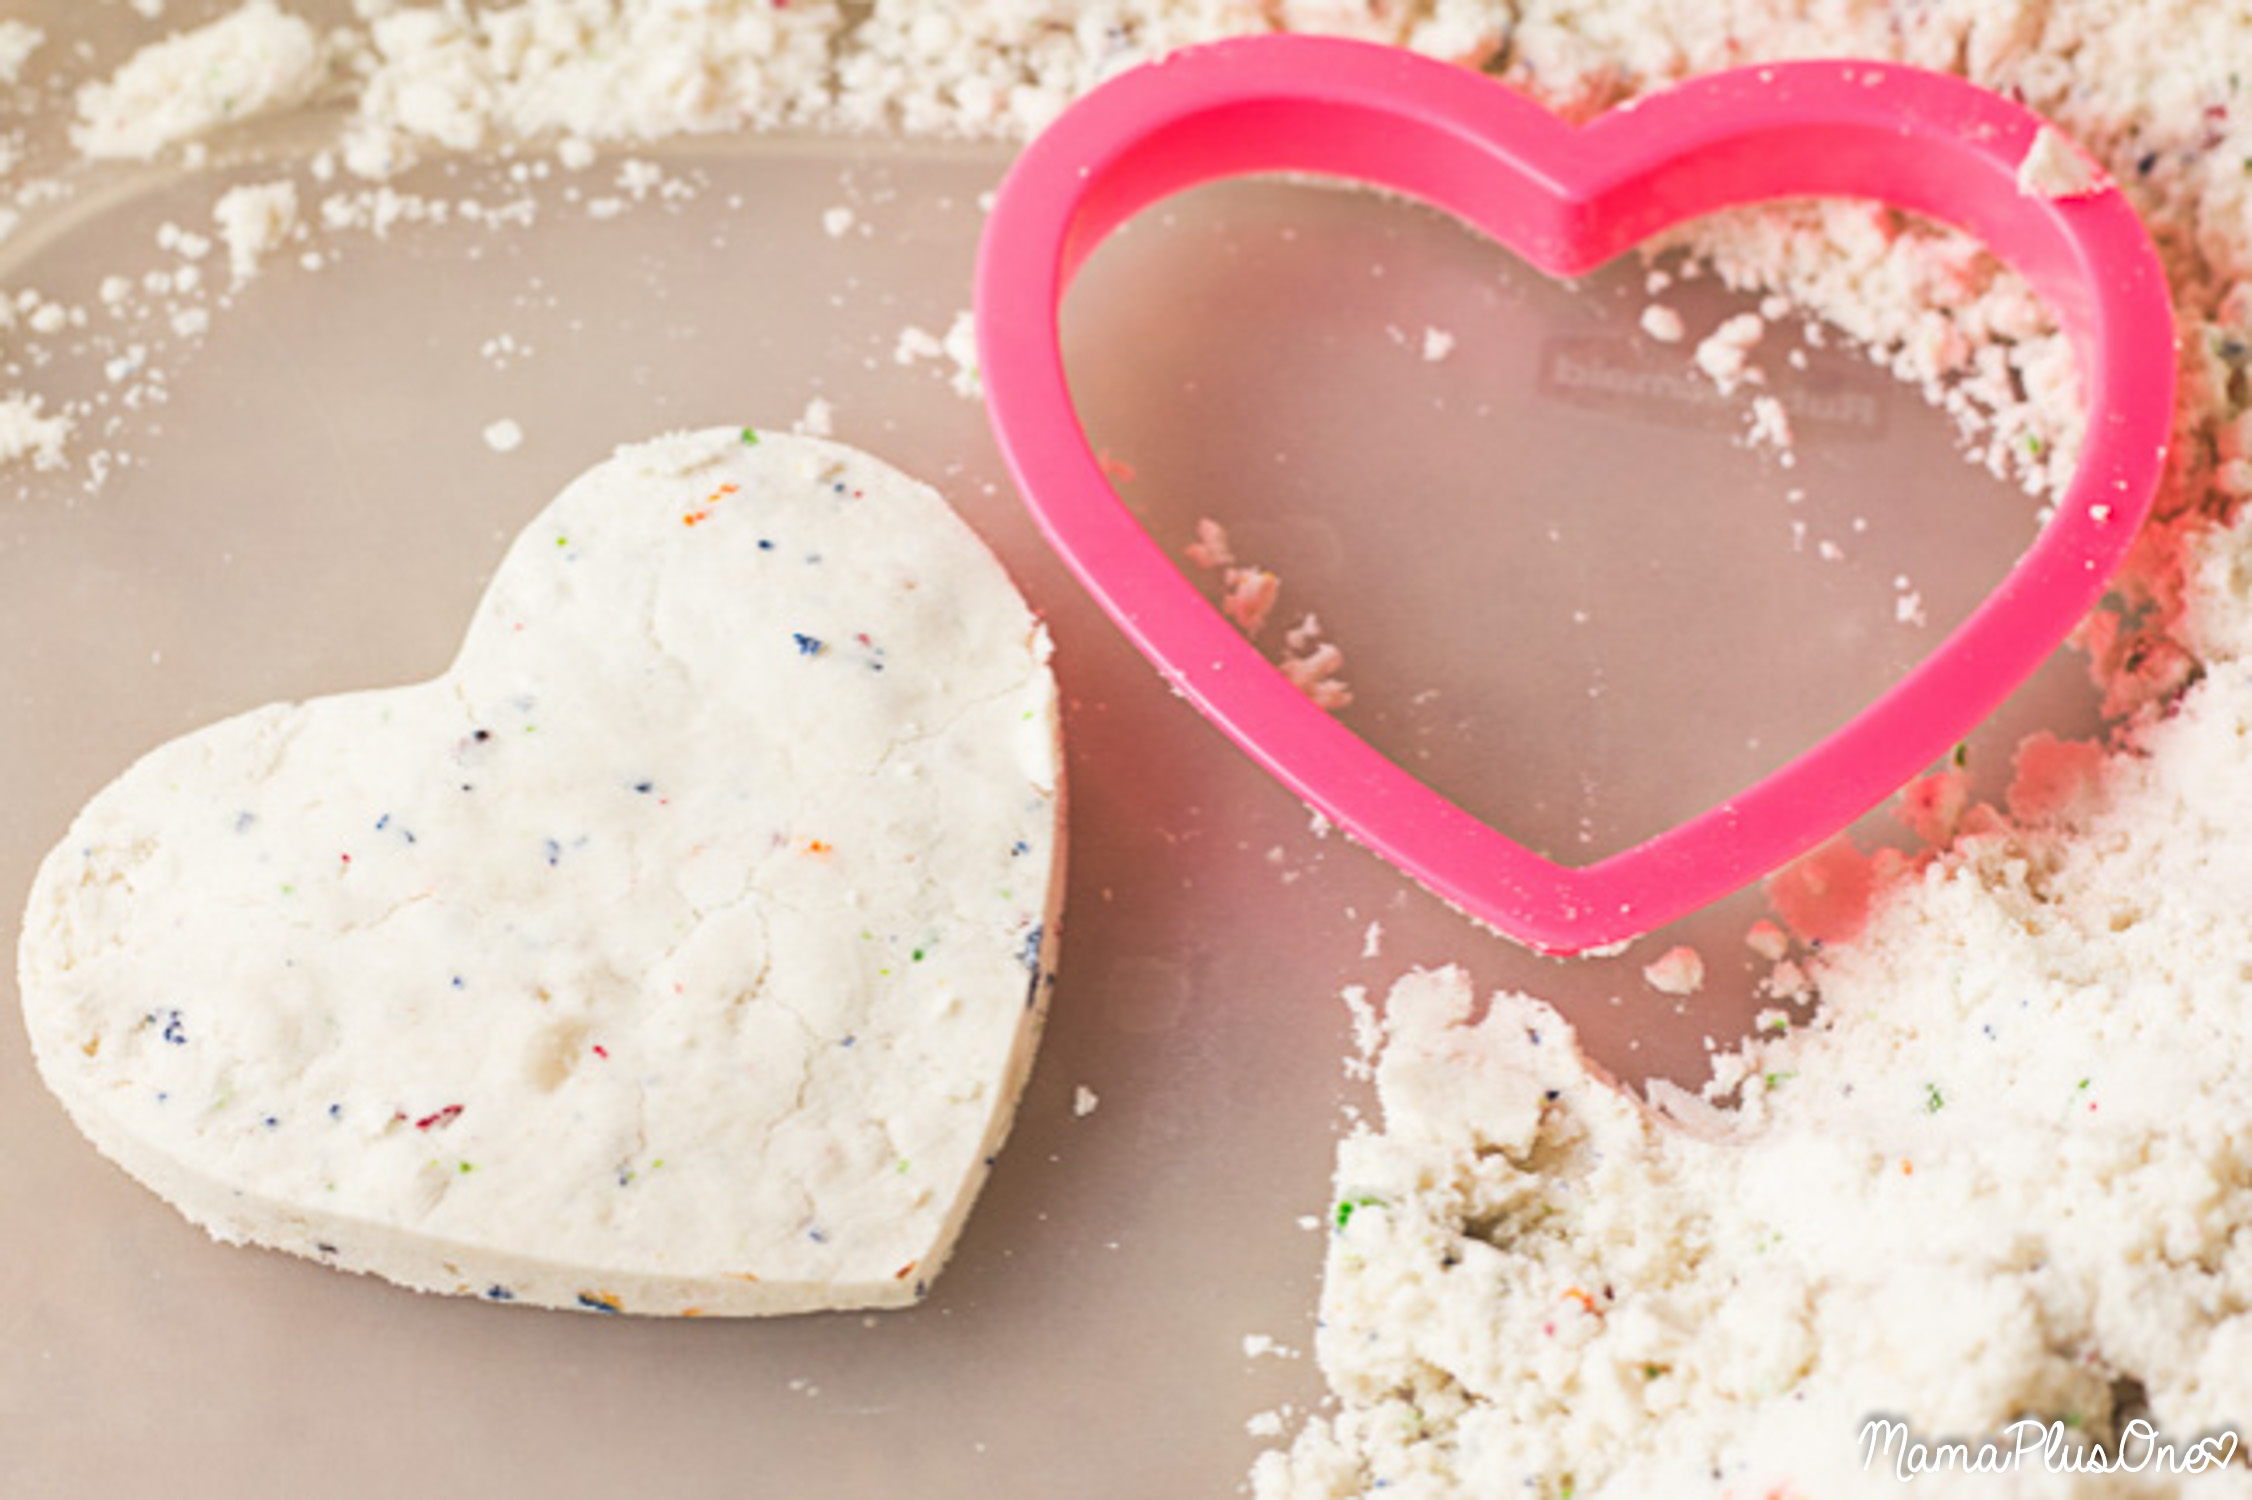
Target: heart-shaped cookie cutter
(1568, 199)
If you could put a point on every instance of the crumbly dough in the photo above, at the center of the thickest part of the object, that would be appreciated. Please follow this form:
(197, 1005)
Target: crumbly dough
(681, 950)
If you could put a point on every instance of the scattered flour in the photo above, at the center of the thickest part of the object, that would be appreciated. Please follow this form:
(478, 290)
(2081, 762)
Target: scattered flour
(1437, 345)
(504, 436)
(1084, 1102)
(1663, 324)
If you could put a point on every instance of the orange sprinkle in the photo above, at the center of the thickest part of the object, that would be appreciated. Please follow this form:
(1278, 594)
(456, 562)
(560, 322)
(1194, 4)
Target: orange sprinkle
(819, 846)
(710, 500)
(904, 1272)
(1579, 1295)
(1907, 1169)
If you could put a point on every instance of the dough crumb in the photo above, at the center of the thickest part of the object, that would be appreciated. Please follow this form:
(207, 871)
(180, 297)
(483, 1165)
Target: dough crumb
(1677, 971)
(837, 222)
(1725, 353)
(1084, 1102)
(1663, 324)
(18, 40)
(2055, 168)
(1250, 598)
(251, 62)
(1437, 344)
(1767, 940)
(1771, 423)
(1210, 550)
(254, 220)
(818, 418)
(504, 436)
(27, 433)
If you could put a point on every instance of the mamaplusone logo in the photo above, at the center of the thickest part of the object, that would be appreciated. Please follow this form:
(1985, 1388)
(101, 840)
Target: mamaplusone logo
(1888, 1445)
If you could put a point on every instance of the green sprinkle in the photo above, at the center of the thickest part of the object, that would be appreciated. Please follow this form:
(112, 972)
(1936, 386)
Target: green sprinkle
(1776, 1080)
(2035, 444)
(1652, 1372)
(918, 955)
(750, 437)
(467, 1166)
(903, 1166)
(1347, 1206)
(2083, 1083)
(1934, 1101)
(562, 541)
(1962, 755)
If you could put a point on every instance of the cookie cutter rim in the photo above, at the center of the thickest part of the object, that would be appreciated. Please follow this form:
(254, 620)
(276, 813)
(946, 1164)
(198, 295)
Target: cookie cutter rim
(1567, 199)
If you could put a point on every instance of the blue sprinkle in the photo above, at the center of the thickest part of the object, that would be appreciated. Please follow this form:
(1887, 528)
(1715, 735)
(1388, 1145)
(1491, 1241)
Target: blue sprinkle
(336, 1111)
(807, 645)
(554, 853)
(645, 787)
(461, 983)
(764, 545)
(161, 1096)
(243, 820)
(922, 1289)
(848, 1041)
(498, 1293)
(817, 1236)
(1032, 950)
(272, 1122)
(382, 822)
(596, 1304)
(174, 1031)
(1019, 849)
(324, 1247)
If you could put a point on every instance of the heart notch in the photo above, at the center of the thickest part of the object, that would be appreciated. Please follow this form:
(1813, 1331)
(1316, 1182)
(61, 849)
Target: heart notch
(1568, 199)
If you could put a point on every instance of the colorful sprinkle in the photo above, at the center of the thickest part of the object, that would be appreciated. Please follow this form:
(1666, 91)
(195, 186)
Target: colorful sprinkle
(439, 1120)
(750, 437)
(606, 1302)
(808, 645)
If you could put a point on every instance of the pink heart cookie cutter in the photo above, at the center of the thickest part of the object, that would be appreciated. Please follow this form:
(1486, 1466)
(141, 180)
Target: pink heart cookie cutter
(1567, 199)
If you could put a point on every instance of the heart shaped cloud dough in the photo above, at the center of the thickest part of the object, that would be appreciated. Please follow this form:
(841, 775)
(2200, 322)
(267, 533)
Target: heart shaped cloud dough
(680, 950)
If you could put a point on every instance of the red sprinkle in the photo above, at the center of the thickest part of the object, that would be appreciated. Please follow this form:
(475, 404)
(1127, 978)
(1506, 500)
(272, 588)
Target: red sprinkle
(600, 1050)
(446, 1116)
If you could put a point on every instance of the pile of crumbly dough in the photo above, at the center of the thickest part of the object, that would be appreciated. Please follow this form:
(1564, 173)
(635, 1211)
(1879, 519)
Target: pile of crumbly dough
(2005, 1169)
